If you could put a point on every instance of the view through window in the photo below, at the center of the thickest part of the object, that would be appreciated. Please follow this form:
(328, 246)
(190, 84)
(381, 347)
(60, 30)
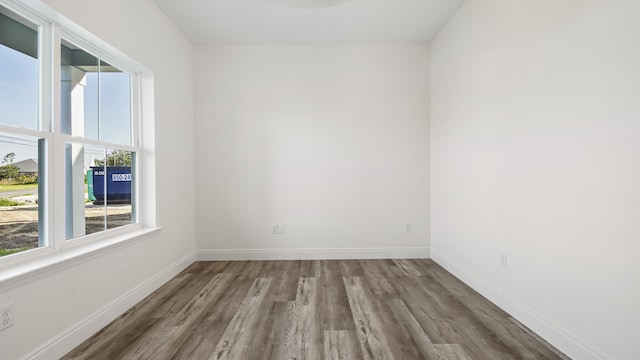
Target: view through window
(95, 137)
(19, 154)
(96, 105)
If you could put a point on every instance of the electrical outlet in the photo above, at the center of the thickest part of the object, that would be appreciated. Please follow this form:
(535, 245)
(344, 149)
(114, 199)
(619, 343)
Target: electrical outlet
(503, 259)
(277, 229)
(6, 316)
(408, 227)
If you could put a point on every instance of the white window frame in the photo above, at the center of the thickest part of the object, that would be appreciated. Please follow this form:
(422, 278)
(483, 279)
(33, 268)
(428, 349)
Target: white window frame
(65, 138)
(53, 27)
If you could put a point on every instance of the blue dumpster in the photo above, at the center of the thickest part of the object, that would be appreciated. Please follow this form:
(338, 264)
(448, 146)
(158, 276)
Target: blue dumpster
(118, 184)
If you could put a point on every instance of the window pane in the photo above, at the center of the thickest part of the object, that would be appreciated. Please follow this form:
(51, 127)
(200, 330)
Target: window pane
(19, 206)
(119, 188)
(96, 97)
(115, 105)
(79, 92)
(82, 217)
(99, 183)
(18, 71)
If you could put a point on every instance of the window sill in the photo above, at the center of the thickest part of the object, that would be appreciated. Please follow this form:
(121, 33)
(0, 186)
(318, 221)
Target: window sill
(63, 258)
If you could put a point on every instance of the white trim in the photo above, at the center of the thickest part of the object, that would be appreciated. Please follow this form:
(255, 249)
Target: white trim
(16, 274)
(563, 339)
(101, 143)
(60, 345)
(146, 158)
(313, 254)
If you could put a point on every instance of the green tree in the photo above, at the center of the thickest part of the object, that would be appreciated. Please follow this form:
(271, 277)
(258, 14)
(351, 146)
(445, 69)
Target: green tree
(116, 158)
(9, 171)
(9, 158)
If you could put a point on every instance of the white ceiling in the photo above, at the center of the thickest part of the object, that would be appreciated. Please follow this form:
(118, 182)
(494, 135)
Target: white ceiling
(309, 21)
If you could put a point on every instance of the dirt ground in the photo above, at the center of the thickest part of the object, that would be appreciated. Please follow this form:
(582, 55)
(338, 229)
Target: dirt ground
(19, 224)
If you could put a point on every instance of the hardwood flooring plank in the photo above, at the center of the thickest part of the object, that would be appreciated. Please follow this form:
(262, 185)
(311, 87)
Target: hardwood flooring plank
(304, 338)
(239, 332)
(246, 269)
(380, 276)
(483, 327)
(404, 316)
(105, 345)
(294, 310)
(286, 349)
(428, 309)
(173, 330)
(199, 267)
(310, 268)
(540, 340)
(123, 333)
(482, 342)
(307, 293)
(373, 342)
(451, 352)
(408, 267)
(333, 302)
(307, 338)
(351, 268)
(274, 330)
(204, 336)
(341, 345)
(285, 275)
(399, 340)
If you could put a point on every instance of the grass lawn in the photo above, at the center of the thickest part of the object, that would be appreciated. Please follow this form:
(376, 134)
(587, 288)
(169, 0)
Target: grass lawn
(4, 188)
(4, 252)
(8, 202)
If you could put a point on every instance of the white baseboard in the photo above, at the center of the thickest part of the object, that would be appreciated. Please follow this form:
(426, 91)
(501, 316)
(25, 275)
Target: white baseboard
(312, 254)
(60, 345)
(564, 340)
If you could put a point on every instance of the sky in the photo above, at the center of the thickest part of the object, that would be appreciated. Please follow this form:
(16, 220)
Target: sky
(18, 88)
(18, 101)
(114, 110)
(19, 104)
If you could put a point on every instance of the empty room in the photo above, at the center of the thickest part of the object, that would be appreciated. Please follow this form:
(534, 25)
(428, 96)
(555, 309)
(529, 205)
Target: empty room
(319, 179)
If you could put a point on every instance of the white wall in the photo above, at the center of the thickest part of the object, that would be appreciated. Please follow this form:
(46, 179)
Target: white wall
(535, 129)
(330, 140)
(46, 308)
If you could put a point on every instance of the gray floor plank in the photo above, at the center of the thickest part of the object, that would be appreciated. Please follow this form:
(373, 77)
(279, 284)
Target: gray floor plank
(451, 352)
(174, 329)
(240, 330)
(332, 297)
(341, 345)
(320, 309)
(306, 337)
(371, 335)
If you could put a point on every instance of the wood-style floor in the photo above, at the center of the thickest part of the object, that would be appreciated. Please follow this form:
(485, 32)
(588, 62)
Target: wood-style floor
(355, 309)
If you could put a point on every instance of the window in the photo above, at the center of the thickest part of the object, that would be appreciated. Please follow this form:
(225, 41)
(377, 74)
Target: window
(20, 171)
(69, 167)
(96, 106)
